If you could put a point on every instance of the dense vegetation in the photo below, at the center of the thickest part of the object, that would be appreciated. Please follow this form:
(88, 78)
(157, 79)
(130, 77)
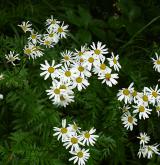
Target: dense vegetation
(27, 116)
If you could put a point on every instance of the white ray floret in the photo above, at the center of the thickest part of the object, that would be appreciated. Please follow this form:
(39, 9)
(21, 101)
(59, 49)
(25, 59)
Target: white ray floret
(80, 156)
(144, 138)
(109, 78)
(12, 57)
(129, 120)
(26, 26)
(63, 133)
(125, 94)
(142, 110)
(156, 63)
(99, 50)
(50, 70)
(88, 137)
(113, 62)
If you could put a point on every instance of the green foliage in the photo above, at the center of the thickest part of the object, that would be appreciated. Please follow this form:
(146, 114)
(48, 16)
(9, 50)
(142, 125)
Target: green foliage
(129, 28)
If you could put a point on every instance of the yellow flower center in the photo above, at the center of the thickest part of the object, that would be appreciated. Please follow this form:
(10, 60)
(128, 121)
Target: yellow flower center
(158, 62)
(102, 66)
(28, 51)
(53, 22)
(87, 135)
(60, 30)
(134, 93)
(158, 108)
(141, 109)
(80, 53)
(64, 130)
(91, 59)
(97, 51)
(67, 73)
(51, 34)
(107, 76)
(47, 42)
(33, 36)
(114, 61)
(154, 93)
(51, 69)
(66, 57)
(81, 60)
(62, 87)
(57, 91)
(126, 92)
(145, 98)
(130, 119)
(79, 79)
(74, 140)
(80, 154)
(81, 68)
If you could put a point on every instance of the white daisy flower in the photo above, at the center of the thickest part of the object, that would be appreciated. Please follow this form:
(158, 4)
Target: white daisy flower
(12, 57)
(80, 156)
(33, 51)
(55, 91)
(135, 95)
(81, 70)
(154, 94)
(144, 98)
(79, 54)
(108, 78)
(62, 132)
(51, 36)
(125, 108)
(148, 151)
(34, 37)
(101, 68)
(74, 127)
(49, 70)
(80, 83)
(142, 110)
(88, 137)
(156, 63)
(67, 57)
(64, 100)
(73, 141)
(62, 30)
(99, 50)
(52, 23)
(66, 74)
(26, 26)
(128, 120)
(47, 42)
(144, 138)
(113, 62)
(90, 60)
(125, 94)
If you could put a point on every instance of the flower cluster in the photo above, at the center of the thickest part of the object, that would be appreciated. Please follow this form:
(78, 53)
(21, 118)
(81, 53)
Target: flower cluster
(146, 150)
(139, 104)
(156, 63)
(74, 139)
(75, 69)
(55, 30)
